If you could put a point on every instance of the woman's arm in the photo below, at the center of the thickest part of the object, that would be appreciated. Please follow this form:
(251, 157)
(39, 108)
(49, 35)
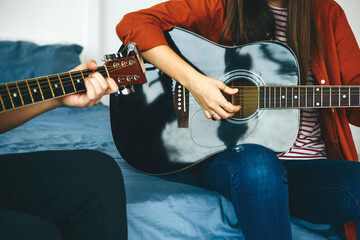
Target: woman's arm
(206, 90)
(145, 27)
(96, 87)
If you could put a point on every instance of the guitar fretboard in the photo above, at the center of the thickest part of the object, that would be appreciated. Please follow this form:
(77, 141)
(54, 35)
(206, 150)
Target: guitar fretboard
(25, 92)
(309, 96)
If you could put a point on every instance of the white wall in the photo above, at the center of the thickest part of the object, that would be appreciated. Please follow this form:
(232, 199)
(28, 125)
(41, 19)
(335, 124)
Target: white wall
(352, 8)
(42, 21)
(90, 23)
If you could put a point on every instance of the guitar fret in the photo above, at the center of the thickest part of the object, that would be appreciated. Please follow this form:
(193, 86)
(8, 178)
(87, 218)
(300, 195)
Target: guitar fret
(281, 99)
(14, 94)
(288, 97)
(42, 95)
(267, 97)
(310, 96)
(20, 94)
(276, 102)
(344, 99)
(45, 88)
(292, 97)
(78, 81)
(83, 78)
(302, 97)
(35, 91)
(322, 96)
(261, 97)
(354, 96)
(56, 85)
(6, 102)
(317, 96)
(2, 107)
(296, 97)
(103, 71)
(265, 105)
(68, 84)
(313, 96)
(67, 88)
(25, 93)
(72, 81)
(30, 93)
(51, 88)
(12, 102)
(326, 96)
(335, 96)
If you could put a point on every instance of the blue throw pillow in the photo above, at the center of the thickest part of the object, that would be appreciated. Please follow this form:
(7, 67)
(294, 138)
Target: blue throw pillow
(24, 60)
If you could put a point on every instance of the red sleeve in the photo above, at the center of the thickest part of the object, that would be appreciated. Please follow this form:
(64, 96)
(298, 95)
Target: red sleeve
(145, 27)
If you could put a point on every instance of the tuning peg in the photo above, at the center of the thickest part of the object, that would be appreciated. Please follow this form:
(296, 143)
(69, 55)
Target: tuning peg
(125, 91)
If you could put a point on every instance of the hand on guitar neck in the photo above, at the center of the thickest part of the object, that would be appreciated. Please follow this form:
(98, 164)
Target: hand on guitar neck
(96, 87)
(84, 86)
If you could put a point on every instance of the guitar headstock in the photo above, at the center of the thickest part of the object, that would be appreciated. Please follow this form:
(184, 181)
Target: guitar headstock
(126, 68)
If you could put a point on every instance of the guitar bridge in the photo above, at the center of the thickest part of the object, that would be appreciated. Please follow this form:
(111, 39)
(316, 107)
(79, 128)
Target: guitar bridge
(181, 105)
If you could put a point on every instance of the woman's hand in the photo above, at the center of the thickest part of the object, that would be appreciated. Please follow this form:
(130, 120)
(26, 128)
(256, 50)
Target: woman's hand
(96, 87)
(206, 90)
(208, 93)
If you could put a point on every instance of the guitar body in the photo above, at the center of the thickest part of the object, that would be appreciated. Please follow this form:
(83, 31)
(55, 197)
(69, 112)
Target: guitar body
(160, 128)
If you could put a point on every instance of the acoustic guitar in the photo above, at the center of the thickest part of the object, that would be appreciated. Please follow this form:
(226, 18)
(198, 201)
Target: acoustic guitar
(124, 67)
(161, 129)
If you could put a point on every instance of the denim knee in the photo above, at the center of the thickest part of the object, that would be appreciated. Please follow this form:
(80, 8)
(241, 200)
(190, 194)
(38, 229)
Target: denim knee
(255, 167)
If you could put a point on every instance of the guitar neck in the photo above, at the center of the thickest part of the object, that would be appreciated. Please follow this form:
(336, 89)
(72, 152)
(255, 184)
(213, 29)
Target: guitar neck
(26, 92)
(309, 96)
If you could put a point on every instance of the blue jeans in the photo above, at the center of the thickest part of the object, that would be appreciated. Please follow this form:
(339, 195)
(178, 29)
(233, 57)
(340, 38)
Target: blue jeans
(265, 190)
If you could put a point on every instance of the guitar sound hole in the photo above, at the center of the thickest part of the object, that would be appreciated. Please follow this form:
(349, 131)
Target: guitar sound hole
(247, 97)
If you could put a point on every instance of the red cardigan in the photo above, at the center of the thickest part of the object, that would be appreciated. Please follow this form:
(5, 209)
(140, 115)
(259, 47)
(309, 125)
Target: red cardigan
(339, 66)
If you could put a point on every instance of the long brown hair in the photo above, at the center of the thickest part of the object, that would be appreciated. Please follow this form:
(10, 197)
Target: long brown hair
(252, 20)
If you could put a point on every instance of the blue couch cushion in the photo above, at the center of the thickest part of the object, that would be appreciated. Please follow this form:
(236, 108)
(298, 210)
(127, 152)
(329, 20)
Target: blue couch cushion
(23, 60)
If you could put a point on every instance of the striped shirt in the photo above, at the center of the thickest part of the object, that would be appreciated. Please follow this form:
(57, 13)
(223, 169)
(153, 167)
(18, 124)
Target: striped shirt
(309, 143)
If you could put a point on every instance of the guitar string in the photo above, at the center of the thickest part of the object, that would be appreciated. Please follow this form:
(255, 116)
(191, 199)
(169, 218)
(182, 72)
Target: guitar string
(300, 93)
(256, 106)
(287, 96)
(66, 82)
(65, 75)
(253, 99)
(55, 81)
(246, 98)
